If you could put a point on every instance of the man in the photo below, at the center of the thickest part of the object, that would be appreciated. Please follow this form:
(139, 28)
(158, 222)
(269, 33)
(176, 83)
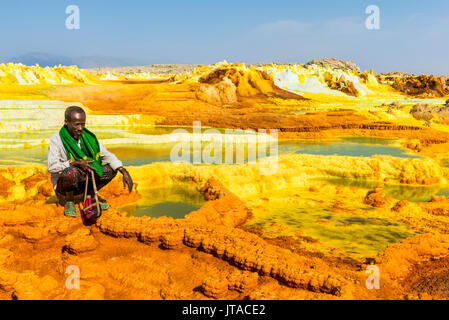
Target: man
(73, 152)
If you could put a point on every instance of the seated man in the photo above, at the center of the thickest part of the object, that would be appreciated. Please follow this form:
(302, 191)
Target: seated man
(72, 153)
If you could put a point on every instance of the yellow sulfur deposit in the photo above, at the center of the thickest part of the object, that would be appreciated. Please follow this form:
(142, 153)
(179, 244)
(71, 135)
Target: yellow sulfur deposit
(18, 73)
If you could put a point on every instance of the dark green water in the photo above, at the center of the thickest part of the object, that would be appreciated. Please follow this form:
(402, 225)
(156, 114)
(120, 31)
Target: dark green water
(175, 201)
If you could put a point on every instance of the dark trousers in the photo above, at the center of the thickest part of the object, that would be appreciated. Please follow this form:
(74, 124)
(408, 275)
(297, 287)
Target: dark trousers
(73, 179)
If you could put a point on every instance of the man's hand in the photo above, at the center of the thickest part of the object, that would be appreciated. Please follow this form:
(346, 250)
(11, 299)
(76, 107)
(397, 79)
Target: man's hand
(83, 165)
(126, 179)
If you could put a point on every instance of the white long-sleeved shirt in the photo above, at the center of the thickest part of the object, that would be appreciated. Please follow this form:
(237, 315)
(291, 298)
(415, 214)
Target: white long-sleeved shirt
(58, 159)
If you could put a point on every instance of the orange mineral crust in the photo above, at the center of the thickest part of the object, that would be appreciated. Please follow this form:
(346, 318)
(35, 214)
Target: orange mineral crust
(206, 255)
(58, 241)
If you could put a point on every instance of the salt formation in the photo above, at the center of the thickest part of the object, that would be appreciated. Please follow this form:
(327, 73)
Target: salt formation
(338, 78)
(224, 92)
(109, 76)
(294, 78)
(422, 85)
(11, 73)
(313, 78)
(318, 79)
(334, 64)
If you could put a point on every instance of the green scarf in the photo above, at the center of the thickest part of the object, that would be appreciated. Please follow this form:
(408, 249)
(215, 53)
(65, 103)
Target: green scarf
(90, 148)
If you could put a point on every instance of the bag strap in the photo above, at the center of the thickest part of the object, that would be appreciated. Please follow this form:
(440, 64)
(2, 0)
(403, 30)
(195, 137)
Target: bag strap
(85, 191)
(97, 203)
(96, 192)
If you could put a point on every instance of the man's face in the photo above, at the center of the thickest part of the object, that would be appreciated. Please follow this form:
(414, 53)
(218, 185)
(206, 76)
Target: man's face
(76, 125)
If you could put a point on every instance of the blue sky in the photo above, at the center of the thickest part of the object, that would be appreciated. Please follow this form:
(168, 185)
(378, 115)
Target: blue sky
(413, 35)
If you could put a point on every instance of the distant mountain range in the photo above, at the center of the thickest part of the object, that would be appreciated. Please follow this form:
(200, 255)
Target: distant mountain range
(51, 60)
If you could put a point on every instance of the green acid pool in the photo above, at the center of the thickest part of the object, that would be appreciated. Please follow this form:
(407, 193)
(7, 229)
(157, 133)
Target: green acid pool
(173, 201)
(356, 231)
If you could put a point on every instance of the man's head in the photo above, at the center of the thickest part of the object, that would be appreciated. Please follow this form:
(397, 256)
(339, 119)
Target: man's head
(75, 121)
